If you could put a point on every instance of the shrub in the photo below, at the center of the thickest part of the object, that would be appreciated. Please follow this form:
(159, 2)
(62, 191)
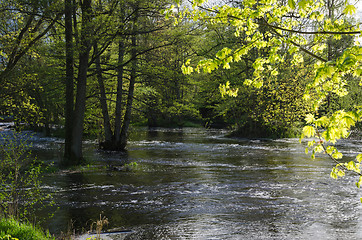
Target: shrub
(12, 229)
(20, 185)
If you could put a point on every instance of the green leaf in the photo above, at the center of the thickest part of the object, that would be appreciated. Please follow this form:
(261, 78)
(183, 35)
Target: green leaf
(323, 121)
(291, 4)
(319, 149)
(358, 184)
(359, 157)
(187, 69)
(348, 120)
(350, 9)
(337, 155)
(330, 150)
(340, 173)
(223, 53)
(333, 173)
(311, 143)
(303, 4)
(309, 131)
(351, 165)
(309, 118)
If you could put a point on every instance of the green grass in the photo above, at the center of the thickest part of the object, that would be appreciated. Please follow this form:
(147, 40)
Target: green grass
(11, 229)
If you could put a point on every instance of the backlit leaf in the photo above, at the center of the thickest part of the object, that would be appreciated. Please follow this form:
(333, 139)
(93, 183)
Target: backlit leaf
(337, 155)
(359, 157)
(291, 4)
(350, 9)
(309, 131)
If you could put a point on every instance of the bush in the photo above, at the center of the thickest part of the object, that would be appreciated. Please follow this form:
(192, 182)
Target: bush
(11, 229)
(20, 185)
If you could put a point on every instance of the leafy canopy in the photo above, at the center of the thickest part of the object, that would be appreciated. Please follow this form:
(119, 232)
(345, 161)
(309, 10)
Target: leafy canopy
(298, 31)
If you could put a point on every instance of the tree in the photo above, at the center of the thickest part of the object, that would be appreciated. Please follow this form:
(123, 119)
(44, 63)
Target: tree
(283, 27)
(76, 156)
(23, 26)
(133, 76)
(69, 78)
(136, 22)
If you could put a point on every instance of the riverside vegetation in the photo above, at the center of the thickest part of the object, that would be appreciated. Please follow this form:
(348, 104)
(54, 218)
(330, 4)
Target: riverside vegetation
(20, 187)
(94, 68)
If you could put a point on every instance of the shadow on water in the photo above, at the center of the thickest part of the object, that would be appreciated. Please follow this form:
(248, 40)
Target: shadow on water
(196, 184)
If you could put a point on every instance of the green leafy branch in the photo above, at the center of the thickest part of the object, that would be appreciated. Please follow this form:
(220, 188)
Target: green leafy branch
(329, 130)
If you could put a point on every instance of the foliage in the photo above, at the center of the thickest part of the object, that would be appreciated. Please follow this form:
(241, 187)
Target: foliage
(293, 52)
(20, 184)
(8, 237)
(303, 33)
(11, 229)
(22, 27)
(276, 109)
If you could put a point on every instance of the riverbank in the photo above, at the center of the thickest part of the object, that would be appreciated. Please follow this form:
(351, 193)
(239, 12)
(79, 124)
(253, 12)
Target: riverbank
(12, 229)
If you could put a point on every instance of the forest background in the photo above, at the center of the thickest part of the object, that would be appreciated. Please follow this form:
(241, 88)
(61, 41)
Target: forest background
(90, 69)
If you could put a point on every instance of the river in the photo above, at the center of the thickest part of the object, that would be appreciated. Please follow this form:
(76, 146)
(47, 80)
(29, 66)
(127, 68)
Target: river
(198, 184)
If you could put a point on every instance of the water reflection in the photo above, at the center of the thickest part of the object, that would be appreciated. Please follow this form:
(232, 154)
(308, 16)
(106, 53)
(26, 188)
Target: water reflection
(196, 184)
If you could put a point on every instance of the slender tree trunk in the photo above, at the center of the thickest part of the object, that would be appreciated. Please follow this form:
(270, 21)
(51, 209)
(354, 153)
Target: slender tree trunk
(118, 117)
(85, 46)
(74, 12)
(119, 106)
(127, 116)
(103, 99)
(69, 76)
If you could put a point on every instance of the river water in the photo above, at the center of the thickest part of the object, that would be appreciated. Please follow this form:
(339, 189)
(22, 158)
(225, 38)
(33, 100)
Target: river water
(198, 184)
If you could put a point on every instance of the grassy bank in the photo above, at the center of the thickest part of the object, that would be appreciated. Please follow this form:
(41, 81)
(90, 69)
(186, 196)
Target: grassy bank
(12, 229)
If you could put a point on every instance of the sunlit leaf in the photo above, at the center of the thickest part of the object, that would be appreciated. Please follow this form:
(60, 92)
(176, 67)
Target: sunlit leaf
(358, 184)
(340, 173)
(309, 131)
(337, 155)
(309, 118)
(359, 157)
(350, 9)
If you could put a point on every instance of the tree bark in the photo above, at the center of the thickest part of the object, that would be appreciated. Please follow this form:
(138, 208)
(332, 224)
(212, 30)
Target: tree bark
(118, 117)
(69, 83)
(119, 97)
(80, 103)
(103, 99)
(127, 116)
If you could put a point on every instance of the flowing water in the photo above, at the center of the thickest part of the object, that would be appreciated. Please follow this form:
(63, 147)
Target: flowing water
(198, 184)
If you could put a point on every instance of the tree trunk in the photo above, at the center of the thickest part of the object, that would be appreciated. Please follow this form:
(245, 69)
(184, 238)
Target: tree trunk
(118, 117)
(69, 76)
(127, 116)
(119, 98)
(85, 46)
(103, 99)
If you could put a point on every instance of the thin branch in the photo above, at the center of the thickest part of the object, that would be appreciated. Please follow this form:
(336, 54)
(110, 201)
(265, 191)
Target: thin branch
(285, 29)
(300, 47)
(339, 164)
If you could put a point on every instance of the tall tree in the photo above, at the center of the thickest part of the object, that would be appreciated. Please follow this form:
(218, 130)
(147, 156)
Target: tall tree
(69, 78)
(120, 73)
(23, 27)
(76, 155)
(133, 76)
